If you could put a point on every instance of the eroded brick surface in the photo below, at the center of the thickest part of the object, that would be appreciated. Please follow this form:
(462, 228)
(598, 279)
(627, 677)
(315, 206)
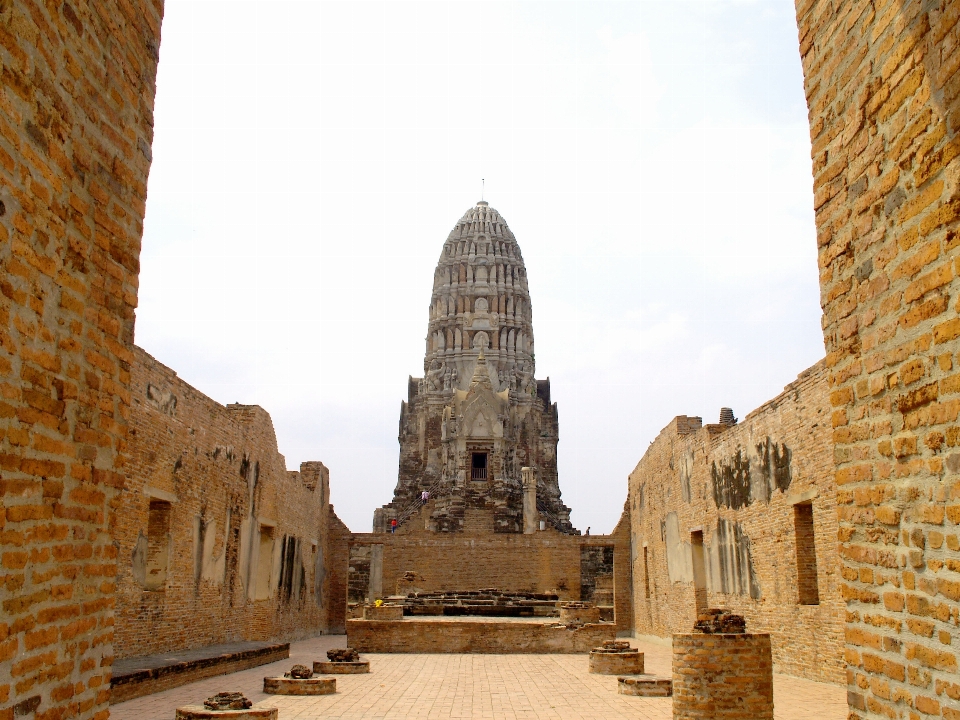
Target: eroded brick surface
(884, 98)
(738, 496)
(247, 542)
(76, 101)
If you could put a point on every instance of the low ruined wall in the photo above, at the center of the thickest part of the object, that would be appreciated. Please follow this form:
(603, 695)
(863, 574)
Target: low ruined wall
(466, 635)
(546, 561)
(217, 540)
(760, 497)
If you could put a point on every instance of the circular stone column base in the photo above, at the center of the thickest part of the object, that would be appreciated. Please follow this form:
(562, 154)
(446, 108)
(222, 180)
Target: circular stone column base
(616, 663)
(199, 712)
(645, 686)
(341, 668)
(299, 686)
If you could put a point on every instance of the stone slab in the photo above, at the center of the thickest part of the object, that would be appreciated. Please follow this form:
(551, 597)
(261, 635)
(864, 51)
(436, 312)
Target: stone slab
(645, 686)
(622, 663)
(474, 635)
(139, 676)
(299, 686)
(385, 612)
(341, 668)
(199, 712)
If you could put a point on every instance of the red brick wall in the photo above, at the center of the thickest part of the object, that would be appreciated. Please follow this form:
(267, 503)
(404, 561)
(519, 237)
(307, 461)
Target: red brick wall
(546, 561)
(722, 677)
(883, 90)
(76, 102)
(217, 472)
(739, 486)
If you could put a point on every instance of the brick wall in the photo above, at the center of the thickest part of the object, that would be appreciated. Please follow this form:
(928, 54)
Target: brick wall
(217, 540)
(546, 561)
(715, 511)
(76, 101)
(722, 677)
(884, 99)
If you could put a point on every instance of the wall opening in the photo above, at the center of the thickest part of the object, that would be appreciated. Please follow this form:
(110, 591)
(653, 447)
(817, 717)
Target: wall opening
(292, 572)
(478, 466)
(264, 562)
(646, 572)
(699, 570)
(807, 587)
(158, 545)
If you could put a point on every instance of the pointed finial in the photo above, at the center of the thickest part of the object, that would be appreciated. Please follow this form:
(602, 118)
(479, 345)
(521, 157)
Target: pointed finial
(483, 188)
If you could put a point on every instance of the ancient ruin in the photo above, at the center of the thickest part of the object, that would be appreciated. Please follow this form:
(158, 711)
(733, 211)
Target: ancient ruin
(721, 672)
(616, 657)
(743, 515)
(342, 661)
(868, 441)
(478, 417)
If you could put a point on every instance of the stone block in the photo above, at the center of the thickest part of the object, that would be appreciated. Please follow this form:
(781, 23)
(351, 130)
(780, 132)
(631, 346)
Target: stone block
(645, 686)
(384, 612)
(299, 686)
(341, 668)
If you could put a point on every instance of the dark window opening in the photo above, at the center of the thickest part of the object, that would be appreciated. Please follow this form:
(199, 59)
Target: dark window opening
(646, 571)
(158, 544)
(699, 569)
(808, 589)
(478, 467)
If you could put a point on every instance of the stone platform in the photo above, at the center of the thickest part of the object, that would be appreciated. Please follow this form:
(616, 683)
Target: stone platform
(139, 676)
(199, 712)
(474, 635)
(299, 686)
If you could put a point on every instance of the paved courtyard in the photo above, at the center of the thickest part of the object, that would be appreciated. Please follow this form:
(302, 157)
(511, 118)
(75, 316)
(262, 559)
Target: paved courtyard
(498, 687)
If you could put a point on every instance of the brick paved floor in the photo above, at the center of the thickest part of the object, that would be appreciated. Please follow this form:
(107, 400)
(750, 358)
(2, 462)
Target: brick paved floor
(498, 687)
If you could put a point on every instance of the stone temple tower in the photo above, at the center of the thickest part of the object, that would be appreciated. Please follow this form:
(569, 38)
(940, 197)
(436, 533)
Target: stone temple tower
(478, 415)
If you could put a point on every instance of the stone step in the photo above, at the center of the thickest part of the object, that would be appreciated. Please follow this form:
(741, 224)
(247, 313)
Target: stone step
(645, 686)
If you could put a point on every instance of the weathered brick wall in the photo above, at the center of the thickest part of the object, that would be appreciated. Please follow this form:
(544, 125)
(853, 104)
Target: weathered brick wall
(883, 90)
(546, 561)
(722, 677)
(247, 543)
(741, 489)
(76, 102)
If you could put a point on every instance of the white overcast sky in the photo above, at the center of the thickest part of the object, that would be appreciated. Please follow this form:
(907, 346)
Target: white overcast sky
(310, 158)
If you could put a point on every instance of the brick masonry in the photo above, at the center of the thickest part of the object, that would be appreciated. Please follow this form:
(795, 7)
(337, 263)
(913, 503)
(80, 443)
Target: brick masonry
(76, 124)
(477, 557)
(722, 677)
(883, 90)
(474, 635)
(714, 511)
(246, 542)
